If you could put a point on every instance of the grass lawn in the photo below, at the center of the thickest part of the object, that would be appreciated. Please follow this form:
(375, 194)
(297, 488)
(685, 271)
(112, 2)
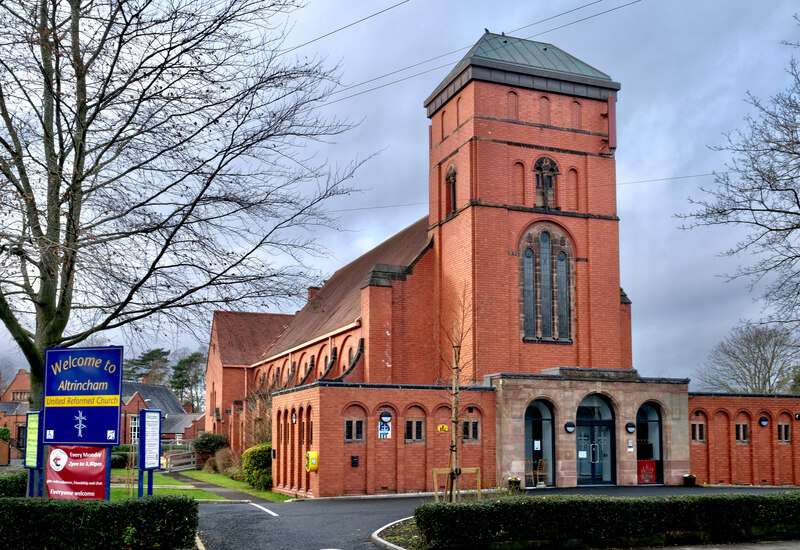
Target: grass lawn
(133, 475)
(121, 493)
(224, 481)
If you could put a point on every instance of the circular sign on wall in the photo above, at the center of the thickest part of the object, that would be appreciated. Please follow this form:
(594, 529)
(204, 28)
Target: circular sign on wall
(58, 459)
(386, 416)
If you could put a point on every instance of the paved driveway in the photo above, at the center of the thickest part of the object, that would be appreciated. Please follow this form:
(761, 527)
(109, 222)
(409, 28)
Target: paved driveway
(305, 525)
(346, 524)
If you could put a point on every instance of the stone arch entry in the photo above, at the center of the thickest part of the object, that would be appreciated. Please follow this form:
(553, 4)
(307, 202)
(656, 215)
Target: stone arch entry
(595, 441)
(649, 459)
(539, 440)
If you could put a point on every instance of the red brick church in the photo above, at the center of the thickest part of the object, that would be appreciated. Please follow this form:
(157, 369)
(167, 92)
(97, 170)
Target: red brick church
(515, 270)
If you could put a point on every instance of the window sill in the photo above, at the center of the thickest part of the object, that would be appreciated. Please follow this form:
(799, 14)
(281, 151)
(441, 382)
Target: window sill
(564, 342)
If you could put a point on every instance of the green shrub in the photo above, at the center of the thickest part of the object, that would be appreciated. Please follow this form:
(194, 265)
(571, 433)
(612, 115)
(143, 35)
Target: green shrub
(210, 443)
(581, 521)
(225, 458)
(122, 448)
(5, 434)
(13, 482)
(234, 472)
(119, 460)
(150, 522)
(210, 466)
(257, 466)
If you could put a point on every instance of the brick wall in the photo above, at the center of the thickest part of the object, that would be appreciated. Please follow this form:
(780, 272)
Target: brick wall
(382, 463)
(477, 248)
(760, 460)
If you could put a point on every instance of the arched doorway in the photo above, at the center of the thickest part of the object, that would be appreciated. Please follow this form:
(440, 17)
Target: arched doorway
(539, 442)
(595, 441)
(650, 466)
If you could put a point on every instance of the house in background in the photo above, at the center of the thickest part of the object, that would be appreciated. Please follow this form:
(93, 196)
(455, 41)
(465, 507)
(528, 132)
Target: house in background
(514, 274)
(14, 408)
(176, 422)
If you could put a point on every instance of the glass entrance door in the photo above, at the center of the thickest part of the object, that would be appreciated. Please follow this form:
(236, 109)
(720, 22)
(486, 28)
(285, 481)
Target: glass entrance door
(595, 454)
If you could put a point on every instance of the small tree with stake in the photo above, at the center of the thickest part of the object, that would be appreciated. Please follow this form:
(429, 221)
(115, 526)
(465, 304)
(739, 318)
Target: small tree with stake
(456, 337)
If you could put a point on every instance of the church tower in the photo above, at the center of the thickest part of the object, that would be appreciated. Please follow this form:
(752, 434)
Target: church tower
(523, 210)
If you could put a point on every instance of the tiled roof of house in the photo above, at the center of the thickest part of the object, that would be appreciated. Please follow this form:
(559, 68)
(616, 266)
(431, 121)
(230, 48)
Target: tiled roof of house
(243, 337)
(155, 396)
(8, 407)
(177, 423)
(338, 302)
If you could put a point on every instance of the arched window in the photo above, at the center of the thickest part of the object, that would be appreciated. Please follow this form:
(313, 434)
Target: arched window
(546, 171)
(546, 282)
(546, 285)
(512, 110)
(450, 189)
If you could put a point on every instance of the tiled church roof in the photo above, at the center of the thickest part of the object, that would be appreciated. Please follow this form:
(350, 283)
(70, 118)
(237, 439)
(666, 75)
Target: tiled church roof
(243, 337)
(338, 302)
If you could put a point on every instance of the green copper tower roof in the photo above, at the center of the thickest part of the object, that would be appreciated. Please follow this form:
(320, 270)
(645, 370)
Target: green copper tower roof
(523, 63)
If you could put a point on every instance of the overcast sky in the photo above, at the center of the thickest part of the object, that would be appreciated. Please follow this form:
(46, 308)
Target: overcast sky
(685, 67)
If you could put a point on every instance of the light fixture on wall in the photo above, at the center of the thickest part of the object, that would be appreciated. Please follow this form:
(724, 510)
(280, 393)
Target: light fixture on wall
(386, 416)
(294, 417)
(630, 427)
(569, 427)
(763, 421)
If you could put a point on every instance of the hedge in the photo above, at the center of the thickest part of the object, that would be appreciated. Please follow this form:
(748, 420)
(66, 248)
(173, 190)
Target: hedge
(210, 443)
(150, 522)
(120, 460)
(566, 521)
(257, 466)
(13, 482)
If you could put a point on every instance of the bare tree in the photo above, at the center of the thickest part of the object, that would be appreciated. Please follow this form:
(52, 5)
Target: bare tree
(760, 192)
(752, 359)
(149, 165)
(457, 337)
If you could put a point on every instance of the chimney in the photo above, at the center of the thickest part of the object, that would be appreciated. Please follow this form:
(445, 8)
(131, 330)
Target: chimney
(187, 407)
(312, 291)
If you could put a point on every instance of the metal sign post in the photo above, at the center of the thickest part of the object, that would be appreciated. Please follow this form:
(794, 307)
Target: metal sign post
(149, 447)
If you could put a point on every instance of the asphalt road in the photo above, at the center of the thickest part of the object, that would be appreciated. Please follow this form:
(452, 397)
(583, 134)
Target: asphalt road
(346, 524)
(305, 525)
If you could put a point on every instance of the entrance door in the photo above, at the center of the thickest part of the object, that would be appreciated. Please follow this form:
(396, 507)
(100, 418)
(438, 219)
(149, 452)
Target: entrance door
(594, 455)
(595, 441)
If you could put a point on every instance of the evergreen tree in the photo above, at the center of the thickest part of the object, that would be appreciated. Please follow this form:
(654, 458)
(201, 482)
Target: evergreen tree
(153, 365)
(188, 379)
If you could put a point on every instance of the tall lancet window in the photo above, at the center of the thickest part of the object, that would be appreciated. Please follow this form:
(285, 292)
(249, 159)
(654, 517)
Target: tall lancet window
(546, 285)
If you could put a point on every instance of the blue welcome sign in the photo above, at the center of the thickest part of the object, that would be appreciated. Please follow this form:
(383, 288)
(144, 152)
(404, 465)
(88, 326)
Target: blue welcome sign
(82, 389)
